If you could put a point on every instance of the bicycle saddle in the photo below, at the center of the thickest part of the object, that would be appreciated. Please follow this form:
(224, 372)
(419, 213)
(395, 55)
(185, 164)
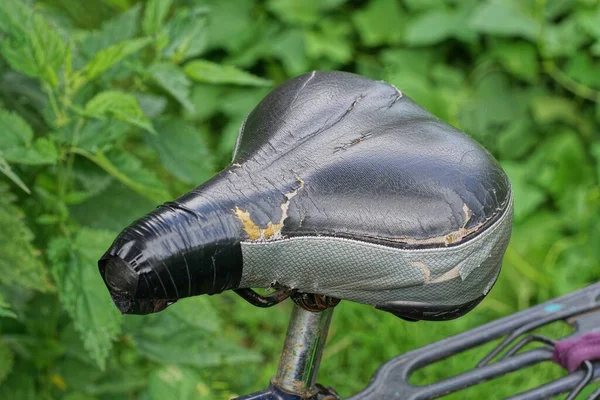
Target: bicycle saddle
(339, 186)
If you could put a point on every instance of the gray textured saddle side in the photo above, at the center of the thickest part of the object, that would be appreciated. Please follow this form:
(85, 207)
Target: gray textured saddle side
(377, 274)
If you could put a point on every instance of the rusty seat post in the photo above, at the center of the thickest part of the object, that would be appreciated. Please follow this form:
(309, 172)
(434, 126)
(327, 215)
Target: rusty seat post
(302, 350)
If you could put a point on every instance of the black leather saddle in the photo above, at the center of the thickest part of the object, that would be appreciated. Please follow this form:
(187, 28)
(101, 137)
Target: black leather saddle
(339, 186)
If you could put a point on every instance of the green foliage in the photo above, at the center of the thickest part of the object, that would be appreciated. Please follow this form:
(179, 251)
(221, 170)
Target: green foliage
(118, 105)
(109, 108)
(82, 294)
(32, 46)
(21, 264)
(209, 72)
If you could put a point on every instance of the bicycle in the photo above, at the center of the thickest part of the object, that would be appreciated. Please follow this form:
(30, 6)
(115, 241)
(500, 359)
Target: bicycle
(342, 188)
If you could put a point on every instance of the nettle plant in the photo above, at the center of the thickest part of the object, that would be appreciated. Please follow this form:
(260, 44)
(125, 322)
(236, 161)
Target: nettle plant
(92, 125)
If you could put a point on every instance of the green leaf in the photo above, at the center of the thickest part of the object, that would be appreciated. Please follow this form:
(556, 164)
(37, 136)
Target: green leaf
(118, 105)
(6, 170)
(187, 34)
(302, 12)
(519, 58)
(174, 382)
(187, 333)
(290, 48)
(559, 164)
(121, 28)
(82, 292)
(183, 150)
(330, 42)
(209, 72)
(380, 22)
(172, 79)
(106, 59)
(6, 361)
(528, 197)
(20, 264)
(126, 168)
(32, 46)
(155, 14)
(596, 154)
(504, 19)
(5, 311)
(16, 142)
(516, 140)
(41, 152)
(433, 27)
(563, 39)
(20, 385)
(102, 135)
(15, 131)
(549, 109)
(151, 104)
(114, 207)
(584, 69)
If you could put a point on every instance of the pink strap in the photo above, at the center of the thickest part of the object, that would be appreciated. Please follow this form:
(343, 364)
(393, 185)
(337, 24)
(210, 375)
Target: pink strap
(571, 353)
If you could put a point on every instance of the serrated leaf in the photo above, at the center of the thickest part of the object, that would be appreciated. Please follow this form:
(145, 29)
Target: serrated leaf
(82, 292)
(155, 14)
(175, 382)
(172, 79)
(15, 131)
(187, 34)
(119, 105)
(106, 59)
(16, 142)
(183, 150)
(6, 361)
(41, 152)
(126, 168)
(380, 22)
(5, 311)
(102, 135)
(32, 46)
(504, 19)
(119, 29)
(209, 72)
(20, 264)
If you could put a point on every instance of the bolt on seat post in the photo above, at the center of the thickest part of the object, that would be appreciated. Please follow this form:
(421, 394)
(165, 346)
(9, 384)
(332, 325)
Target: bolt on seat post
(302, 350)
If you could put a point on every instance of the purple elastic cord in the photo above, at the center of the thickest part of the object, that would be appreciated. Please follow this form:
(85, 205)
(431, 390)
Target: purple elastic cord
(571, 353)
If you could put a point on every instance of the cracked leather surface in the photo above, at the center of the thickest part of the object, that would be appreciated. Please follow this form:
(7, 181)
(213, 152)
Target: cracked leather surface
(325, 154)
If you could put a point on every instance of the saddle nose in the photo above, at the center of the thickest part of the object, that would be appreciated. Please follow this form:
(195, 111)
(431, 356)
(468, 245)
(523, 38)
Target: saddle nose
(120, 276)
(123, 282)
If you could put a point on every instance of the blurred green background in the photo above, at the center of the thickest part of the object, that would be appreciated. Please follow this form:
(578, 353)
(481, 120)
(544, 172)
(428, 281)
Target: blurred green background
(109, 107)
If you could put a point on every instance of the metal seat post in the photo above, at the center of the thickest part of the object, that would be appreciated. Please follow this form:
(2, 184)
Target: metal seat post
(302, 350)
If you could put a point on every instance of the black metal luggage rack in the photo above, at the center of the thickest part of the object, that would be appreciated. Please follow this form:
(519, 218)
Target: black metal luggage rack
(579, 309)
